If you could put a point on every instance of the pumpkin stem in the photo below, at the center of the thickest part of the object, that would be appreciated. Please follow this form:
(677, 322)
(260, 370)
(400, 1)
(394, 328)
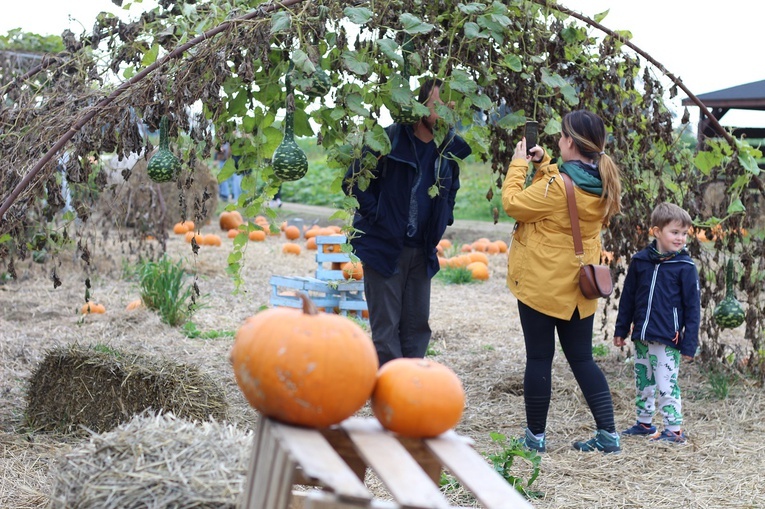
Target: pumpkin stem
(309, 307)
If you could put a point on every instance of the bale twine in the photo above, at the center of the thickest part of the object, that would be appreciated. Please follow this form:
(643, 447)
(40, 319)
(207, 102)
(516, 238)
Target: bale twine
(139, 203)
(155, 461)
(98, 387)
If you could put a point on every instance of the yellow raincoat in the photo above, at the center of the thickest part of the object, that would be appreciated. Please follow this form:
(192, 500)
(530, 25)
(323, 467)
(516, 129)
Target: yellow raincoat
(542, 268)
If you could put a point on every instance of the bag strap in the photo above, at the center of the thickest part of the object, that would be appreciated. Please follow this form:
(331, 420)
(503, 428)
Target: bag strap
(573, 214)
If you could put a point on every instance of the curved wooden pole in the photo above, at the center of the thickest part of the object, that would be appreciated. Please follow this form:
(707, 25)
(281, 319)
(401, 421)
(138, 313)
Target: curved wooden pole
(263, 10)
(677, 81)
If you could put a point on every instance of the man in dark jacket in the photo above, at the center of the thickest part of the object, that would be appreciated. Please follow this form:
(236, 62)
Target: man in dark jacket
(401, 216)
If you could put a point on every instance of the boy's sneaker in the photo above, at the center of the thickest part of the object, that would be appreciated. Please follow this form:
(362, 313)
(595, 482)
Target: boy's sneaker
(603, 441)
(531, 441)
(640, 429)
(669, 436)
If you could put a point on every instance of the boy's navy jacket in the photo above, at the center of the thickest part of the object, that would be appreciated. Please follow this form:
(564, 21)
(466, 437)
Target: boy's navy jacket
(383, 209)
(661, 299)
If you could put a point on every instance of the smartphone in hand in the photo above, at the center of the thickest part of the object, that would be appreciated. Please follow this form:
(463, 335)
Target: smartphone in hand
(532, 131)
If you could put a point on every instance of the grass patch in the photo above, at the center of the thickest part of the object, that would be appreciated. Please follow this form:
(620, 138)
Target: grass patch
(164, 289)
(455, 275)
(191, 331)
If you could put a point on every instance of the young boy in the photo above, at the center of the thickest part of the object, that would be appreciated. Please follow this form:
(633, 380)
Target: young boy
(660, 304)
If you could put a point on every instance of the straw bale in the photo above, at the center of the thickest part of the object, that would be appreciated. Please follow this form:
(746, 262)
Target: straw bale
(99, 388)
(155, 461)
(139, 203)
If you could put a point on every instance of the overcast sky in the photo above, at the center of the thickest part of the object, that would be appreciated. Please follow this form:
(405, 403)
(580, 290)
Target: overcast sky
(710, 46)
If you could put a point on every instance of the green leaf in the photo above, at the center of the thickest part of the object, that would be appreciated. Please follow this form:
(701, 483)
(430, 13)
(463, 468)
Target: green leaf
(358, 15)
(569, 93)
(150, 56)
(705, 161)
(512, 120)
(237, 106)
(749, 163)
(228, 169)
(302, 62)
(601, 15)
(553, 80)
(355, 103)
(353, 64)
(280, 21)
(274, 137)
(413, 25)
(462, 82)
(553, 127)
(480, 101)
(473, 31)
(512, 62)
(377, 139)
(129, 72)
(736, 206)
(302, 125)
(389, 48)
(472, 8)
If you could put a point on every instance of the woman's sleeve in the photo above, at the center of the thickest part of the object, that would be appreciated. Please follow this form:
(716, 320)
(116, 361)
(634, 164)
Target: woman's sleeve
(535, 202)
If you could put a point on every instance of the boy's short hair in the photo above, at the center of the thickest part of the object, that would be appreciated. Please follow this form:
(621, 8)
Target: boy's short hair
(665, 213)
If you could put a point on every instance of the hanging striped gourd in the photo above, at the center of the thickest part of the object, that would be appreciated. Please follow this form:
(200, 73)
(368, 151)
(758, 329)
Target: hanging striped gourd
(729, 314)
(289, 161)
(163, 165)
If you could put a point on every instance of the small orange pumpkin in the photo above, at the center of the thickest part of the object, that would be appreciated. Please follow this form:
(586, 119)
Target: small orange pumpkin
(257, 235)
(134, 304)
(295, 365)
(92, 307)
(190, 226)
(417, 398)
(230, 220)
(353, 270)
(292, 232)
(479, 270)
(502, 245)
(232, 233)
(211, 239)
(310, 243)
(179, 228)
(291, 248)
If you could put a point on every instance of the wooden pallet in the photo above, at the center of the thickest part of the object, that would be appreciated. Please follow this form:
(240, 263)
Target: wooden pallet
(336, 459)
(324, 260)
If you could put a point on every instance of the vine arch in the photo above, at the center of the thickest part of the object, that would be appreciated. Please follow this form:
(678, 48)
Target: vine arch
(535, 56)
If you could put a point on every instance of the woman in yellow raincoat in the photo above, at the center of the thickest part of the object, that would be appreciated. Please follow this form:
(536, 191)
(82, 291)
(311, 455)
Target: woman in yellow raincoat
(543, 270)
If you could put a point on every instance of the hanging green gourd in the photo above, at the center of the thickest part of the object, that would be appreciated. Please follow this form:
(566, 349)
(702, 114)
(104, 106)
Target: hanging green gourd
(163, 165)
(289, 160)
(405, 114)
(729, 314)
(320, 83)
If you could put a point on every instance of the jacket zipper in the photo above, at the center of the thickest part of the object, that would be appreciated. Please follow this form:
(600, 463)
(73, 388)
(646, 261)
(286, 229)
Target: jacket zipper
(650, 300)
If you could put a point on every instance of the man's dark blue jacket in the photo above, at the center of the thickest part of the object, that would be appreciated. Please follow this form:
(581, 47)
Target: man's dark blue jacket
(661, 299)
(381, 217)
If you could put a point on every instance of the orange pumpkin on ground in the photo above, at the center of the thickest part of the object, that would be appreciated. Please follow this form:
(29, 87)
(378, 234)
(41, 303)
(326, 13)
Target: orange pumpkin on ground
(292, 232)
(310, 243)
(445, 243)
(134, 304)
(232, 233)
(312, 232)
(179, 228)
(417, 397)
(291, 248)
(230, 220)
(257, 235)
(478, 256)
(502, 245)
(211, 240)
(92, 307)
(479, 270)
(295, 365)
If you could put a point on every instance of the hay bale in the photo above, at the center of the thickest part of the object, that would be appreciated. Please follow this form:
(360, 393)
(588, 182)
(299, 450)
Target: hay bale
(138, 202)
(155, 462)
(99, 388)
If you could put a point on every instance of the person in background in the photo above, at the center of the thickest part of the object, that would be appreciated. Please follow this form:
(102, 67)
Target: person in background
(660, 306)
(230, 188)
(543, 270)
(401, 216)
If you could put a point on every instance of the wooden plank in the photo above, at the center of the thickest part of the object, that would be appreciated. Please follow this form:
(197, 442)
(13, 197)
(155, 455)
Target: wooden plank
(329, 274)
(409, 485)
(331, 239)
(320, 462)
(475, 474)
(321, 500)
(258, 490)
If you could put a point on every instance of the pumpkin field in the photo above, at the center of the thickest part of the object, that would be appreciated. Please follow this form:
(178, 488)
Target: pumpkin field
(475, 332)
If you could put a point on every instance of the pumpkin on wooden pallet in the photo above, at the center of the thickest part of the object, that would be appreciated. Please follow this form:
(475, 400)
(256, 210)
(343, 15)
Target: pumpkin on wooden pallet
(295, 365)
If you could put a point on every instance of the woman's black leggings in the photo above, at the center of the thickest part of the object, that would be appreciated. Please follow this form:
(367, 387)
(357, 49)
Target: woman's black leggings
(576, 340)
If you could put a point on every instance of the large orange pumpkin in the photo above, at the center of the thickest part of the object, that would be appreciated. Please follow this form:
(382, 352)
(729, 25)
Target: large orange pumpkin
(304, 367)
(230, 220)
(417, 397)
(292, 232)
